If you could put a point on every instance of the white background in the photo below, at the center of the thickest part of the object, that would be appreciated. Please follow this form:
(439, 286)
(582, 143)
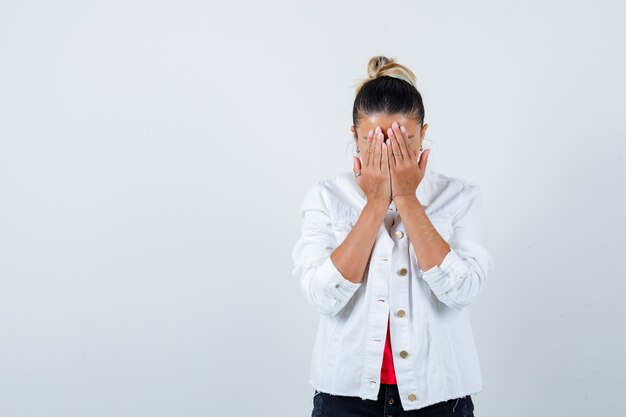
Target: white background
(154, 154)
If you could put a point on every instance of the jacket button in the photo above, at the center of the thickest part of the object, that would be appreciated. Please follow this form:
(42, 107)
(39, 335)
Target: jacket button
(400, 313)
(412, 397)
(399, 234)
(404, 353)
(403, 271)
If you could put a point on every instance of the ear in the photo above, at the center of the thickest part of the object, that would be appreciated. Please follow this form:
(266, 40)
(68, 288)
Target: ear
(354, 134)
(423, 132)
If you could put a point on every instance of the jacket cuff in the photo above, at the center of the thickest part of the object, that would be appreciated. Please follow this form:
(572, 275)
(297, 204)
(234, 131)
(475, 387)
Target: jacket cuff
(335, 284)
(447, 275)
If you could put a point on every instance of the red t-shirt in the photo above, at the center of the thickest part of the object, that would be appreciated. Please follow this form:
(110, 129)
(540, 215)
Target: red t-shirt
(387, 372)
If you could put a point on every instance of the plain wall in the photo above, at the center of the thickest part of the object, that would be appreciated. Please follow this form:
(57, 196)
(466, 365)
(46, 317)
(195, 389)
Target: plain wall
(153, 157)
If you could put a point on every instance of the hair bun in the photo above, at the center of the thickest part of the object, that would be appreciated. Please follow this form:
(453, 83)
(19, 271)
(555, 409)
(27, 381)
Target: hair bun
(375, 65)
(380, 66)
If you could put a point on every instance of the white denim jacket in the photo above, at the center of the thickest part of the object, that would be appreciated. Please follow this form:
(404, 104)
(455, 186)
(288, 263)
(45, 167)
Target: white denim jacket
(435, 356)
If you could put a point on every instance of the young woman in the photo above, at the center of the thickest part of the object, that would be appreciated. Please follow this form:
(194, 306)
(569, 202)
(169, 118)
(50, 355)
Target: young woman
(391, 255)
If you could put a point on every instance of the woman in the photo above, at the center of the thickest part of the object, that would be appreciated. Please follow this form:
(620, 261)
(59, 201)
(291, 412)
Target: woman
(391, 255)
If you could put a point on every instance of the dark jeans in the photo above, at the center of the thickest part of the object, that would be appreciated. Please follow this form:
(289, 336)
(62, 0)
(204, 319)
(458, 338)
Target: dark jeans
(387, 405)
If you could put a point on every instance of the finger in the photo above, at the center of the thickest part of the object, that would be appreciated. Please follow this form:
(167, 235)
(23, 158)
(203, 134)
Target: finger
(401, 153)
(385, 158)
(391, 167)
(395, 145)
(356, 165)
(392, 160)
(370, 148)
(366, 148)
(395, 134)
(377, 148)
(403, 139)
(424, 160)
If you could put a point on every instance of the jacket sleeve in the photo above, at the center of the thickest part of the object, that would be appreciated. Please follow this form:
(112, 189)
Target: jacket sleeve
(458, 280)
(322, 284)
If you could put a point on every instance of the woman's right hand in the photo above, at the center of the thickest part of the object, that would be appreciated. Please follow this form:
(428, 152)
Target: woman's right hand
(375, 178)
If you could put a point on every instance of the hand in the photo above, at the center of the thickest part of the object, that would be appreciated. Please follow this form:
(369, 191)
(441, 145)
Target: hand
(375, 178)
(408, 167)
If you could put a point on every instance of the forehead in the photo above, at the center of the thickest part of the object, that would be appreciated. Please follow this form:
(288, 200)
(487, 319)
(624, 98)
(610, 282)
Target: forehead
(385, 120)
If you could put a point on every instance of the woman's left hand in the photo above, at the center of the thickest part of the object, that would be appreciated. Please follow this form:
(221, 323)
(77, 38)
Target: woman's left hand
(408, 167)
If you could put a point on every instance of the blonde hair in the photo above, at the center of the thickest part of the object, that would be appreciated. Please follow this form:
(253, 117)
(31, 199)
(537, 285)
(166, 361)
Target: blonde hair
(381, 66)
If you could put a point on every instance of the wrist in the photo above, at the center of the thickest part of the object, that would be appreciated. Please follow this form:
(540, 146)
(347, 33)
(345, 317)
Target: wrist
(402, 195)
(378, 204)
(404, 199)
